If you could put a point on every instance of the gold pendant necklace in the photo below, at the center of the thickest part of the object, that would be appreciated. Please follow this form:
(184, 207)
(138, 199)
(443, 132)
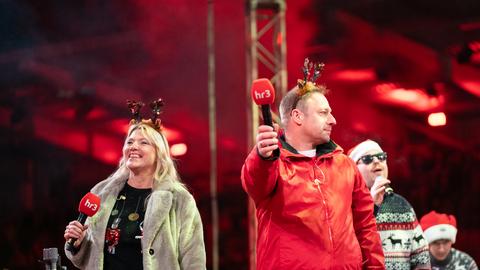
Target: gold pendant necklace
(134, 216)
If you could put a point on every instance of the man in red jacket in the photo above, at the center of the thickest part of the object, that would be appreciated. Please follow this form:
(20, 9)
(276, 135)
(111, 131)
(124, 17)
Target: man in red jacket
(314, 210)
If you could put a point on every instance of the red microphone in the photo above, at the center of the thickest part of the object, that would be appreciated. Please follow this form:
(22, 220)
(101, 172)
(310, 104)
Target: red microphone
(88, 206)
(263, 94)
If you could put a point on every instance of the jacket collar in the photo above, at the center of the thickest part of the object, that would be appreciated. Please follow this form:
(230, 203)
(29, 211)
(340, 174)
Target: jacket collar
(327, 149)
(117, 183)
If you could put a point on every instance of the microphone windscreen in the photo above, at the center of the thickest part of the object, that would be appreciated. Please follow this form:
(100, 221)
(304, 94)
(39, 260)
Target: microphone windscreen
(263, 92)
(50, 254)
(89, 205)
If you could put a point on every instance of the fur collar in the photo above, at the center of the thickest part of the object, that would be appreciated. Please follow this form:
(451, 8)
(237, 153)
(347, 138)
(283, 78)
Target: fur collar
(158, 206)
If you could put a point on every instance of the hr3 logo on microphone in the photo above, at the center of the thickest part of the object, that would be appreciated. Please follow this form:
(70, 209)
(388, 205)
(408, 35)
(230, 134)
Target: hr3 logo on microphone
(90, 205)
(264, 94)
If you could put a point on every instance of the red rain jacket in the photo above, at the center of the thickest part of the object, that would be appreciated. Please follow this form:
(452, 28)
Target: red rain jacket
(313, 213)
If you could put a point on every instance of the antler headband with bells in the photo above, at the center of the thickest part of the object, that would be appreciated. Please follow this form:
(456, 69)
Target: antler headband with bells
(156, 106)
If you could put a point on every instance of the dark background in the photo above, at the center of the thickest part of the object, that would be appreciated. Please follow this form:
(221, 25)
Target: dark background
(67, 68)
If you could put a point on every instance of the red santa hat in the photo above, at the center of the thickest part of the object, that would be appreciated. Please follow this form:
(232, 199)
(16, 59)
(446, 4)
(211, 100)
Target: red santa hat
(438, 226)
(360, 149)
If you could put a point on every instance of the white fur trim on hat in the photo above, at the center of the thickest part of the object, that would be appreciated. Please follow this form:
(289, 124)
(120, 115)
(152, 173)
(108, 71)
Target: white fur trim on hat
(440, 231)
(358, 151)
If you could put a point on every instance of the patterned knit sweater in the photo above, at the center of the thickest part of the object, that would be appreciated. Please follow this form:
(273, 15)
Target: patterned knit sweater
(402, 237)
(456, 260)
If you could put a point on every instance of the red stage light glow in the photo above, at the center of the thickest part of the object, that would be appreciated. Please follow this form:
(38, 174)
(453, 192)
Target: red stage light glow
(358, 75)
(415, 99)
(96, 113)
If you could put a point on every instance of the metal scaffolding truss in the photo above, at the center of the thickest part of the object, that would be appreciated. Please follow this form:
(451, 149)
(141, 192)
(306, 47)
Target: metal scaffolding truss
(266, 58)
(266, 42)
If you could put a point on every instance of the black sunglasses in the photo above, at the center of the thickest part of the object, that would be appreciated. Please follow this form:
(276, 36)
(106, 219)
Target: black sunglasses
(367, 159)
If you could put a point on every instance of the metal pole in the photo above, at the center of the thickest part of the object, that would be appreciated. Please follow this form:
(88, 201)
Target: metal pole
(212, 130)
(253, 119)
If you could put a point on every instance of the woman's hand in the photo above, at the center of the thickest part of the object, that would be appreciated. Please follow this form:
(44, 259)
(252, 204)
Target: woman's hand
(75, 230)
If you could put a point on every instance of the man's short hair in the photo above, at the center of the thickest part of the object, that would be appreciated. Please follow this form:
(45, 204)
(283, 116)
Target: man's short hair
(292, 101)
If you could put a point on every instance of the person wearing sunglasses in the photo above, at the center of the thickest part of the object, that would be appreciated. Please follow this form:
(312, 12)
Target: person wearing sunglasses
(403, 241)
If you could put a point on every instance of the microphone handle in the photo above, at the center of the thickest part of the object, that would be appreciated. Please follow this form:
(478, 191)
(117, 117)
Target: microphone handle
(70, 247)
(267, 115)
(267, 120)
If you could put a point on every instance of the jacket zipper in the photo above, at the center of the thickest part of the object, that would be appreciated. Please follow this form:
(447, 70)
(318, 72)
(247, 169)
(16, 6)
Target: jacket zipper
(327, 214)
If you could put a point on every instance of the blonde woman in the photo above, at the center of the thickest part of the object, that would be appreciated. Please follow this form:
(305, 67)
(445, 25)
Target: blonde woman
(148, 220)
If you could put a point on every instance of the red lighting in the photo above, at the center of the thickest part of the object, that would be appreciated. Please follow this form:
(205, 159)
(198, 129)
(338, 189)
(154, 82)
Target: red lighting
(119, 126)
(228, 143)
(110, 157)
(279, 39)
(68, 114)
(106, 148)
(469, 26)
(403, 95)
(178, 149)
(171, 134)
(471, 86)
(466, 76)
(437, 119)
(415, 99)
(356, 75)
(96, 113)
(360, 126)
(101, 146)
(383, 88)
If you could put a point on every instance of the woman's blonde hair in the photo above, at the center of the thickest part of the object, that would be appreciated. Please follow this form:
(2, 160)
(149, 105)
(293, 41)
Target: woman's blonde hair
(165, 170)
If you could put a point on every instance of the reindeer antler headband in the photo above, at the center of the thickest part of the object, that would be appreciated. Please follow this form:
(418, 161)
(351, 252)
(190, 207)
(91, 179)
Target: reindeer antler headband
(311, 72)
(155, 122)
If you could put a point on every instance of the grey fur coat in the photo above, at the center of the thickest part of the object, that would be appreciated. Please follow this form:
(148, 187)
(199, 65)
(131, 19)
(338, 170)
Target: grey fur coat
(172, 231)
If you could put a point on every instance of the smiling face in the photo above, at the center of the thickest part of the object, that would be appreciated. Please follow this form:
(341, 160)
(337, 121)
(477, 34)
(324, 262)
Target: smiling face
(316, 118)
(374, 169)
(139, 153)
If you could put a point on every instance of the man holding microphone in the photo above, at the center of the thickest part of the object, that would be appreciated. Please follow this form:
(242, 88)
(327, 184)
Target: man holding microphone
(313, 208)
(403, 242)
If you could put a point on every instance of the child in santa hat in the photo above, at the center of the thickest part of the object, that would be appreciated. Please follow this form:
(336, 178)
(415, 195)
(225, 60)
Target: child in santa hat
(440, 231)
